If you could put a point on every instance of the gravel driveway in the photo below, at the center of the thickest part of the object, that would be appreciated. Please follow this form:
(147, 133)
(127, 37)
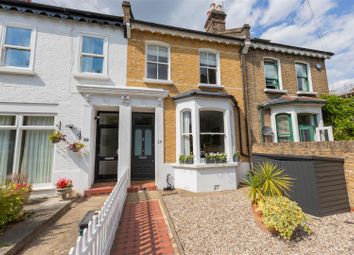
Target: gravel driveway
(222, 223)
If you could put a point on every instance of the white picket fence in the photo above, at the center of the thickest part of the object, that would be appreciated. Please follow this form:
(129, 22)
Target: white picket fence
(98, 238)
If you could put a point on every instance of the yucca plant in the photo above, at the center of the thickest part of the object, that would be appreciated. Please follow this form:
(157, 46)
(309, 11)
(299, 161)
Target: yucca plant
(274, 181)
(267, 179)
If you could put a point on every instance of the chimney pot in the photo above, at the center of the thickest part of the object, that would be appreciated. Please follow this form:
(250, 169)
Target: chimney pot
(212, 6)
(219, 7)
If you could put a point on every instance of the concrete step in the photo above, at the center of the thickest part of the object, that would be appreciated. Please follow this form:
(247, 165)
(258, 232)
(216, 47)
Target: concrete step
(43, 193)
(104, 190)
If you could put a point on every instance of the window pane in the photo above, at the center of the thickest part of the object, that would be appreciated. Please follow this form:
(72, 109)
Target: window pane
(272, 84)
(7, 148)
(212, 76)
(186, 122)
(7, 120)
(109, 118)
(271, 70)
(211, 143)
(152, 71)
(163, 54)
(138, 145)
(283, 128)
(212, 60)
(92, 45)
(38, 121)
(91, 64)
(203, 59)
(152, 53)
(303, 84)
(301, 70)
(203, 75)
(108, 142)
(187, 144)
(148, 143)
(36, 159)
(18, 36)
(18, 58)
(163, 71)
(211, 122)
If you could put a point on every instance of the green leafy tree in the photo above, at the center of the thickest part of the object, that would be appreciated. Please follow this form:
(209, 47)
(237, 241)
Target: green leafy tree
(339, 113)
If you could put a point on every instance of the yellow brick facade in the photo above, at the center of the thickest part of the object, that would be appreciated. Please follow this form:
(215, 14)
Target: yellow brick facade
(184, 62)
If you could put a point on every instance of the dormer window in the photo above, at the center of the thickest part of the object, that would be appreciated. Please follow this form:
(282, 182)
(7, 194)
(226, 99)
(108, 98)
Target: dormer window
(303, 77)
(272, 74)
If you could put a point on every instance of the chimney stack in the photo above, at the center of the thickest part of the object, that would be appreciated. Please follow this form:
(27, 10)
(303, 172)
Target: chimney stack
(215, 22)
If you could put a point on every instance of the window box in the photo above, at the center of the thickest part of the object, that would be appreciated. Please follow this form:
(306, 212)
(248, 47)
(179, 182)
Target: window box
(210, 161)
(187, 161)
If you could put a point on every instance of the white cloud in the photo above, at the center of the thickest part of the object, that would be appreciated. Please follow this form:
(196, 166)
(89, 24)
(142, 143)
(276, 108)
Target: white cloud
(278, 10)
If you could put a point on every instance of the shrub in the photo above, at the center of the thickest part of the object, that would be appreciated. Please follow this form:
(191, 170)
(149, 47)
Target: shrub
(267, 179)
(283, 216)
(12, 198)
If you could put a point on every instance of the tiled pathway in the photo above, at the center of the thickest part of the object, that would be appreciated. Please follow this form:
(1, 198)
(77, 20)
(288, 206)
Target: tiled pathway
(142, 230)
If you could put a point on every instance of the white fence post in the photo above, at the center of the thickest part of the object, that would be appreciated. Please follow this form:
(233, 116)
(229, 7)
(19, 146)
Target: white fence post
(99, 236)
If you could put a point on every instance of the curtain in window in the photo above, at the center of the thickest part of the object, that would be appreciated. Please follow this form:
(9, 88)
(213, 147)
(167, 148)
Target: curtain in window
(187, 140)
(6, 147)
(37, 151)
(284, 131)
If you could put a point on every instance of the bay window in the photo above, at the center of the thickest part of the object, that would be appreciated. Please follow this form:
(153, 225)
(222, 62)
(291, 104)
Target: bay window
(211, 132)
(25, 148)
(187, 136)
(157, 62)
(17, 47)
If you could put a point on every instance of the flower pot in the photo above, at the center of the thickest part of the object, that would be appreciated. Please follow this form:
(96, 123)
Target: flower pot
(210, 161)
(236, 158)
(56, 140)
(64, 192)
(188, 161)
(220, 161)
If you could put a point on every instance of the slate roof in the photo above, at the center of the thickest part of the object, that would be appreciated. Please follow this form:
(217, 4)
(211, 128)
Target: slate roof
(292, 100)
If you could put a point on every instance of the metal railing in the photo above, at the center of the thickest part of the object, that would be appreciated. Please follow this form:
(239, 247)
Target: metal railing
(98, 237)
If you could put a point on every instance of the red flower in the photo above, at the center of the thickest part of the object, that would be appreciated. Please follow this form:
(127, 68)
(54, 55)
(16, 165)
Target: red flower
(63, 183)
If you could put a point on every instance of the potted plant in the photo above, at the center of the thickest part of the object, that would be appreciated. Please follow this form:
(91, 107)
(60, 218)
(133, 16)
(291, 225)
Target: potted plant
(186, 159)
(56, 137)
(76, 147)
(22, 186)
(210, 158)
(236, 156)
(64, 186)
(221, 157)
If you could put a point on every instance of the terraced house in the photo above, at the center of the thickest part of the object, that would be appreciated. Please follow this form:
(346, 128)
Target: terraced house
(157, 100)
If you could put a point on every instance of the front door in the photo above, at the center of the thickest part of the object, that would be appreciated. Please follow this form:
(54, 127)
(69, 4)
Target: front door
(143, 153)
(107, 146)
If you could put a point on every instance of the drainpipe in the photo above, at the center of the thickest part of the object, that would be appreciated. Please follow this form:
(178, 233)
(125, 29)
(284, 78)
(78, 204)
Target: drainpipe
(261, 123)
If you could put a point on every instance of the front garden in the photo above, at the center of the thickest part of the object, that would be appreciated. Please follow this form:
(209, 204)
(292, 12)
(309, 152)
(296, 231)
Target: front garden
(256, 220)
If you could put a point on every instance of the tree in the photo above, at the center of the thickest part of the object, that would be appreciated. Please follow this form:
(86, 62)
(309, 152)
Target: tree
(339, 113)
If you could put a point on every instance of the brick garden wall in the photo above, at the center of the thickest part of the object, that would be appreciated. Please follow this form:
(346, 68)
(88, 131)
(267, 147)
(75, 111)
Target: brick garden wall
(342, 149)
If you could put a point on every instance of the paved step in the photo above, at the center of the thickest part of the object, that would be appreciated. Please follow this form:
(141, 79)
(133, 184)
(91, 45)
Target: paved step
(150, 186)
(98, 191)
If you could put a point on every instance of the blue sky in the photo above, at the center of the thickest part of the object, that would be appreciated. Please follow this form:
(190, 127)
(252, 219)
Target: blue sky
(283, 21)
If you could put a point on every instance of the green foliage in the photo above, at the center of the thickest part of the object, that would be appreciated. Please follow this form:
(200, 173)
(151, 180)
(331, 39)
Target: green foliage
(339, 113)
(267, 180)
(12, 198)
(185, 158)
(283, 216)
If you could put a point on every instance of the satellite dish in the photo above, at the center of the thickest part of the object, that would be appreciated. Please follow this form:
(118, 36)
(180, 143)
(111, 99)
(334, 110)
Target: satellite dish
(267, 131)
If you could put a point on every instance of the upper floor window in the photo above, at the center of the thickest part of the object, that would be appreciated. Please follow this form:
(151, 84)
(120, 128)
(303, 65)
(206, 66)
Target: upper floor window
(92, 55)
(17, 47)
(208, 68)
(302, 75)
(272, 76)
(157, 62)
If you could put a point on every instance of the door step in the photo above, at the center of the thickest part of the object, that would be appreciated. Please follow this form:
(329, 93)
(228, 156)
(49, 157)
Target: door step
(100, 189)
(150, 186)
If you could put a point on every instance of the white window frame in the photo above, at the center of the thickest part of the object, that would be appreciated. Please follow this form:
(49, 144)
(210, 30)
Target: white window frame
(19, 128)
(13, 69)
(88, 75)
(218, 69)
(186, 134)
(280, 78)
(161, 44)
(309, 77)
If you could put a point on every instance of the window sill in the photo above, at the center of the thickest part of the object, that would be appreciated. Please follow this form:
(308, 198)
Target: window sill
(210, 86)
(18, 71)
(307, 93)
(156, 81)
(275, 91)
(205, 166)
(91, 76)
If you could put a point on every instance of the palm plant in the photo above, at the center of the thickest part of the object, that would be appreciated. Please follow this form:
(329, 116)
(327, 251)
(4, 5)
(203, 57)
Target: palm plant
(267, 179)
